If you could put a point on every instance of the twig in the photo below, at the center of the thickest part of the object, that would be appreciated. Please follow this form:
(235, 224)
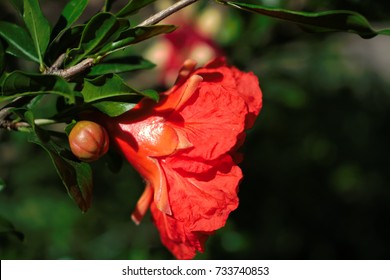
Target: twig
(6, 111)
(167, 12)
(72, 71)
(87, 63)
(59, 61)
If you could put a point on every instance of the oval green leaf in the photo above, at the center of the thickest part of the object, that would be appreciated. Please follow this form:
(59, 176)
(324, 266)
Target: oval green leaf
(107, 5)
(136, 35)
(75, 175)
(120, 65)
(64, 41)
(19, 41)
(70, 14)
(110, 86)
(18, 5)
(20, 83)
(38, 26)
(133, 7)
(114, 108)
(327, 21)
(101, 30)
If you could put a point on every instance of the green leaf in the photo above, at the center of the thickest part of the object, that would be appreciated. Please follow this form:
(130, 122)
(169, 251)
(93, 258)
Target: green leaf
(136, 35)
(2, 58)
(107, 5)
(38, 26)
(101, 30)
(70, 14)
(20, 83)
(69, 127)
(6, 227)
(75, 175)
(327, 21)
(109, 86)
(64, 41)
(120, 65)
(133, 7)
(19, 41)
(113, 108)
(18, 5)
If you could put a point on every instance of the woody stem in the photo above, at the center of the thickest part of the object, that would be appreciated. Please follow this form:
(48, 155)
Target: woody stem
(167, 12)
(71, 72)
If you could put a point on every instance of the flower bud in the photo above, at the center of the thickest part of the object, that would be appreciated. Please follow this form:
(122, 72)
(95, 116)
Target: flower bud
(88, 141)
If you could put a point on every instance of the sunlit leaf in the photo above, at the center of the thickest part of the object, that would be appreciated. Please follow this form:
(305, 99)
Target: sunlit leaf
(70, 14)
(102, 29)
(136, 35)
(109, 86)
(114, 108)
(76, 175)
(133, 7)
(120, 65)
(19, 41)
(327, 21)
(38, 26)
(20, 83)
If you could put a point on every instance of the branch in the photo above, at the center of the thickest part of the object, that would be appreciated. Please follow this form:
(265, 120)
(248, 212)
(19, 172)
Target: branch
(167, 12)
(72, 71)
(87, 63)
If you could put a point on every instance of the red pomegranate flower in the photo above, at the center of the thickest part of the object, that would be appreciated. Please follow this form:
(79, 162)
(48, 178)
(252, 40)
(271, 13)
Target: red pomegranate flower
(185, 147)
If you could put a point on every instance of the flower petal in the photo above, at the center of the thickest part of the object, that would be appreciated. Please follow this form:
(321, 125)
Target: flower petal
(182, 243)
(211, 129)
(248, 88)
(202, 195)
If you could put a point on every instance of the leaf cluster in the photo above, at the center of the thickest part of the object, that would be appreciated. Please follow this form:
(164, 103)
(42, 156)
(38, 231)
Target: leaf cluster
(80, 65)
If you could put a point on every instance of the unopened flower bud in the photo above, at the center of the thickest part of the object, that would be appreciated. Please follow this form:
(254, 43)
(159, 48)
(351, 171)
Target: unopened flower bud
(88, 141)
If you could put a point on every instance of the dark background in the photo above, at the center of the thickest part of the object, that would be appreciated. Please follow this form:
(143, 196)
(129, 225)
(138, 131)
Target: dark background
(316, 165)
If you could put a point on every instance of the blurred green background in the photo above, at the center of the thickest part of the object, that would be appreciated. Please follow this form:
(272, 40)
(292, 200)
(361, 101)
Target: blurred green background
(316, 163)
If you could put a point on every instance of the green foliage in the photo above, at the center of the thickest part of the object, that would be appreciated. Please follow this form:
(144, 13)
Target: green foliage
(70, 14)
(328, 21)
(102, 29)
(2, 58)
(104, 33)
(323, 120)
(75, 175)
(19, 42)
(7, 228)
(19, 5)
(38, 26)
(112, 96)
(133, 7)
(120, 65)
(20, 83)
(110, 86)
(135, 35)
